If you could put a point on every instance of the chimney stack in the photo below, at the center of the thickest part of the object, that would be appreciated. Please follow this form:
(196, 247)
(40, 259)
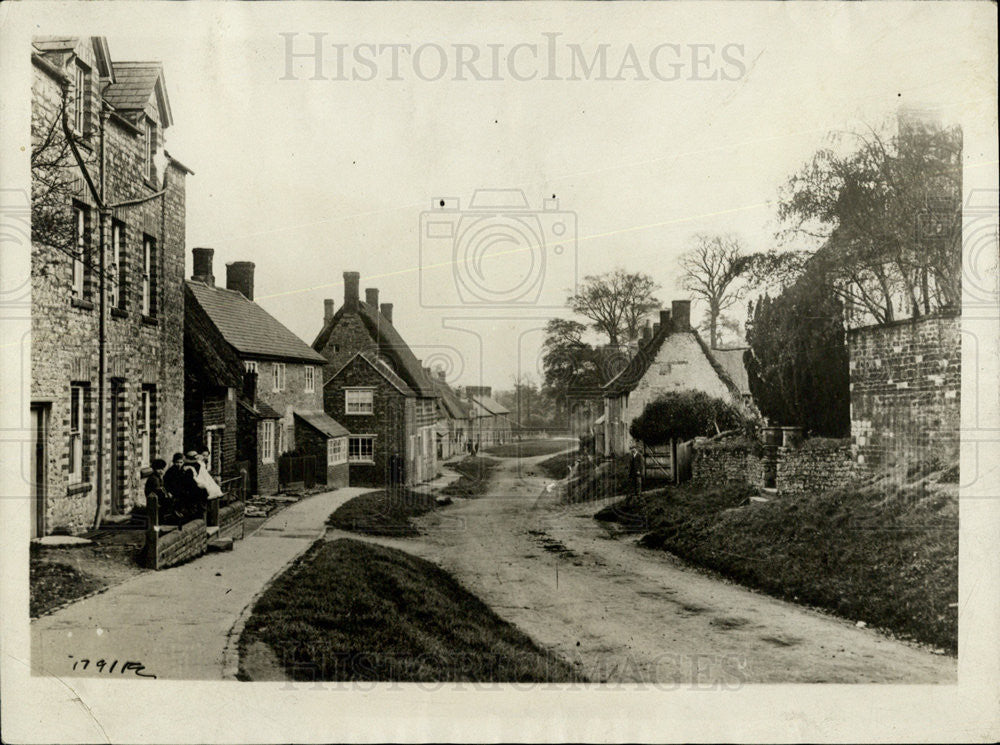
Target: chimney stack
(441, 376)
(203, 265)
(665, 322)
(239, 277)
(386, 309)
(352, 281)
(647, 331)
(371, 298)
(682, 315)
(656, 329)
(328, 306)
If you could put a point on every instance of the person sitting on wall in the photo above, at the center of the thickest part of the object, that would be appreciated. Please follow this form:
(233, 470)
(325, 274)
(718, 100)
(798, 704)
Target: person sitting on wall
(193, 496)
(154, 488)
(173, 483)
(204, 478)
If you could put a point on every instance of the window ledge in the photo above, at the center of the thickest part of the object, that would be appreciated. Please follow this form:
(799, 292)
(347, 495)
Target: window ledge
(118, 313)
(80, 488)
(361, 463)
(83, 304)
(150, 320)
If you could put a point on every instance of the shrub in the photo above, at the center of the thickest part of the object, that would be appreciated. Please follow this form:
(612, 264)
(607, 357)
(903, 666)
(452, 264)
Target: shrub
(684, 415)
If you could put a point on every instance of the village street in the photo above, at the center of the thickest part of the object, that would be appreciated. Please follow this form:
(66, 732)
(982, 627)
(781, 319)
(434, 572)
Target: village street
(626, 614)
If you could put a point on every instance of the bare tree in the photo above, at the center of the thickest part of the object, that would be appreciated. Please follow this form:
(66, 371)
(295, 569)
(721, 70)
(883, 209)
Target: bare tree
(53, 183)
(616, 303)
(711, 273)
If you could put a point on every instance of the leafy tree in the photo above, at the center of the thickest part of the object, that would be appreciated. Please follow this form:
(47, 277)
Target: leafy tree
(682, 415)
(797, 360)
(887, 211)
(616, 303)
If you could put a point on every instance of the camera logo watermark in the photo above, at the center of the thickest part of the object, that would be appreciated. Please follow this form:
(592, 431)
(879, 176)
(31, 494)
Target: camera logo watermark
(311, 56)
(497, 253)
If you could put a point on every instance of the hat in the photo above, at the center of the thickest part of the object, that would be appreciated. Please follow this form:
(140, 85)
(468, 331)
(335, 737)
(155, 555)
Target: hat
(192, 455)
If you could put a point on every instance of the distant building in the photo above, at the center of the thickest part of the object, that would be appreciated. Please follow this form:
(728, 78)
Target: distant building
(453, 423)
(107, 283)
(281, 408)
(674, 358)
(375, 386)
(489, 420)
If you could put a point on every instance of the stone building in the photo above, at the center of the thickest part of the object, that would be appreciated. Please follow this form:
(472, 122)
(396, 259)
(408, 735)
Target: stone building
(489, 420)
(280, 412)
(453, 424)
(674, 358)
(107, 273)
(375, 386)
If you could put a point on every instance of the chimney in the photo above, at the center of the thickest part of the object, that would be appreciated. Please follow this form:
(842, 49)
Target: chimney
(203, 265)
(656, 329)
(647, 331)
(386, 309)
(665, 321)
(328, 306)
(352, 280)
(441, 376)
(428, 372)
(371, 298)
(682, 315)
(239, 277)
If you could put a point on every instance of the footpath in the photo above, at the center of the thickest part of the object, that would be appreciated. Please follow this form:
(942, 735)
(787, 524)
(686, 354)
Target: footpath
(183, 622)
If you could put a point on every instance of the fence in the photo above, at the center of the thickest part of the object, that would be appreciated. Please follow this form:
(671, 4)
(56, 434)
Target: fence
(299, 470)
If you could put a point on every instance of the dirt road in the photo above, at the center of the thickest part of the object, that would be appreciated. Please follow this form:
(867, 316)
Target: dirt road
(626, 614)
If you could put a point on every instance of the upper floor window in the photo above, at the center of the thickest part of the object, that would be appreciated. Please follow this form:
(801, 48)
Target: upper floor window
(250, 366)
(278, 376)
(310, 379)
(80, 251)
(117, 270)
(80, 79)
(148, 276)
(359, 401)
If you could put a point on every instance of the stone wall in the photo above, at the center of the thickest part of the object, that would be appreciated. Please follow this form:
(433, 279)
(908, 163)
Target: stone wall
(906, 382)
(231, 521)
(171, 547)
(142, 350)
(726, 462)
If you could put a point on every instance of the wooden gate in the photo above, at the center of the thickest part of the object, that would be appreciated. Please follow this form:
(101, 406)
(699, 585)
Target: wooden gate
(659, 461)
(297, 471)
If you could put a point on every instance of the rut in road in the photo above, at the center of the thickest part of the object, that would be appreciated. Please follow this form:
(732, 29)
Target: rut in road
(621, 613)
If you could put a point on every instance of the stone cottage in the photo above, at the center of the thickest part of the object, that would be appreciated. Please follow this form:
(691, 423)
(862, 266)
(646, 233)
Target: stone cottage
(375, 386)
(453, 424)
(107, 283)
(281, 411)
(674, 358)
(489, 420)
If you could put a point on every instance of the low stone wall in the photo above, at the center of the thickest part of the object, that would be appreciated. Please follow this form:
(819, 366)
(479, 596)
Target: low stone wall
(167, 547)
(814, 466)
(231, 521)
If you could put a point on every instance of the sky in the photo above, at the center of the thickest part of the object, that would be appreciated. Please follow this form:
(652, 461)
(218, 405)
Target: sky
(311, 178)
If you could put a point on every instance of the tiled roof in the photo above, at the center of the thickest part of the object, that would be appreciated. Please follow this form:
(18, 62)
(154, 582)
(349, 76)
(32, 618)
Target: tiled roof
(390, 343)
(381, 368)
(490, 405)
(248, 328)
(261, 410)
(135, 84)
(453, 406)
(323, 423)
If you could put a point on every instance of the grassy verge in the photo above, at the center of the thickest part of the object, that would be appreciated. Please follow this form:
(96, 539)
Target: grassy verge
(383, 512)
(557, 466)
(349, 611)
(887, 556)
(53, 584)
(474, 480)
(530, 448)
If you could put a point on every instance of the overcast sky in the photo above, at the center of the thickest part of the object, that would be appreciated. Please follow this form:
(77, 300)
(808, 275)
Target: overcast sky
(311, 178)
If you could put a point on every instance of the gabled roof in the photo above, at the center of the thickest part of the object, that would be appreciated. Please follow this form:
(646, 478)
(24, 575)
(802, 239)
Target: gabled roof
(626, 380)
(381, 368)
(732, 361)
(322, 423)
(390, 344)
(206, 354)
(135, 84)
(248, 328)
(261, 410)
(491, 406)
(451, 404)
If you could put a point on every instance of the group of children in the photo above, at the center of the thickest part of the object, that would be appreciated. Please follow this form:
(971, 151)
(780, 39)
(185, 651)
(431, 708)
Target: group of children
(183, 490)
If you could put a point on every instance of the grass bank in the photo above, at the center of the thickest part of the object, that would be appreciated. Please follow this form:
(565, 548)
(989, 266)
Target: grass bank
(474, 480)
(530, 448)
(384, 512)
(557, 466)
(884, 555)
(353, 611)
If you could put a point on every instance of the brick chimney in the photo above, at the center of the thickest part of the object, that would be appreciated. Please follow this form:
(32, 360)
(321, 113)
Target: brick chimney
(328, 306)
(665, 322)
(441, 376)
(656, 329)
(203, 265)
(647, 331)
(386, 309)
(352, 281)
(371, 298)
(682, 315)
(239, 277)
